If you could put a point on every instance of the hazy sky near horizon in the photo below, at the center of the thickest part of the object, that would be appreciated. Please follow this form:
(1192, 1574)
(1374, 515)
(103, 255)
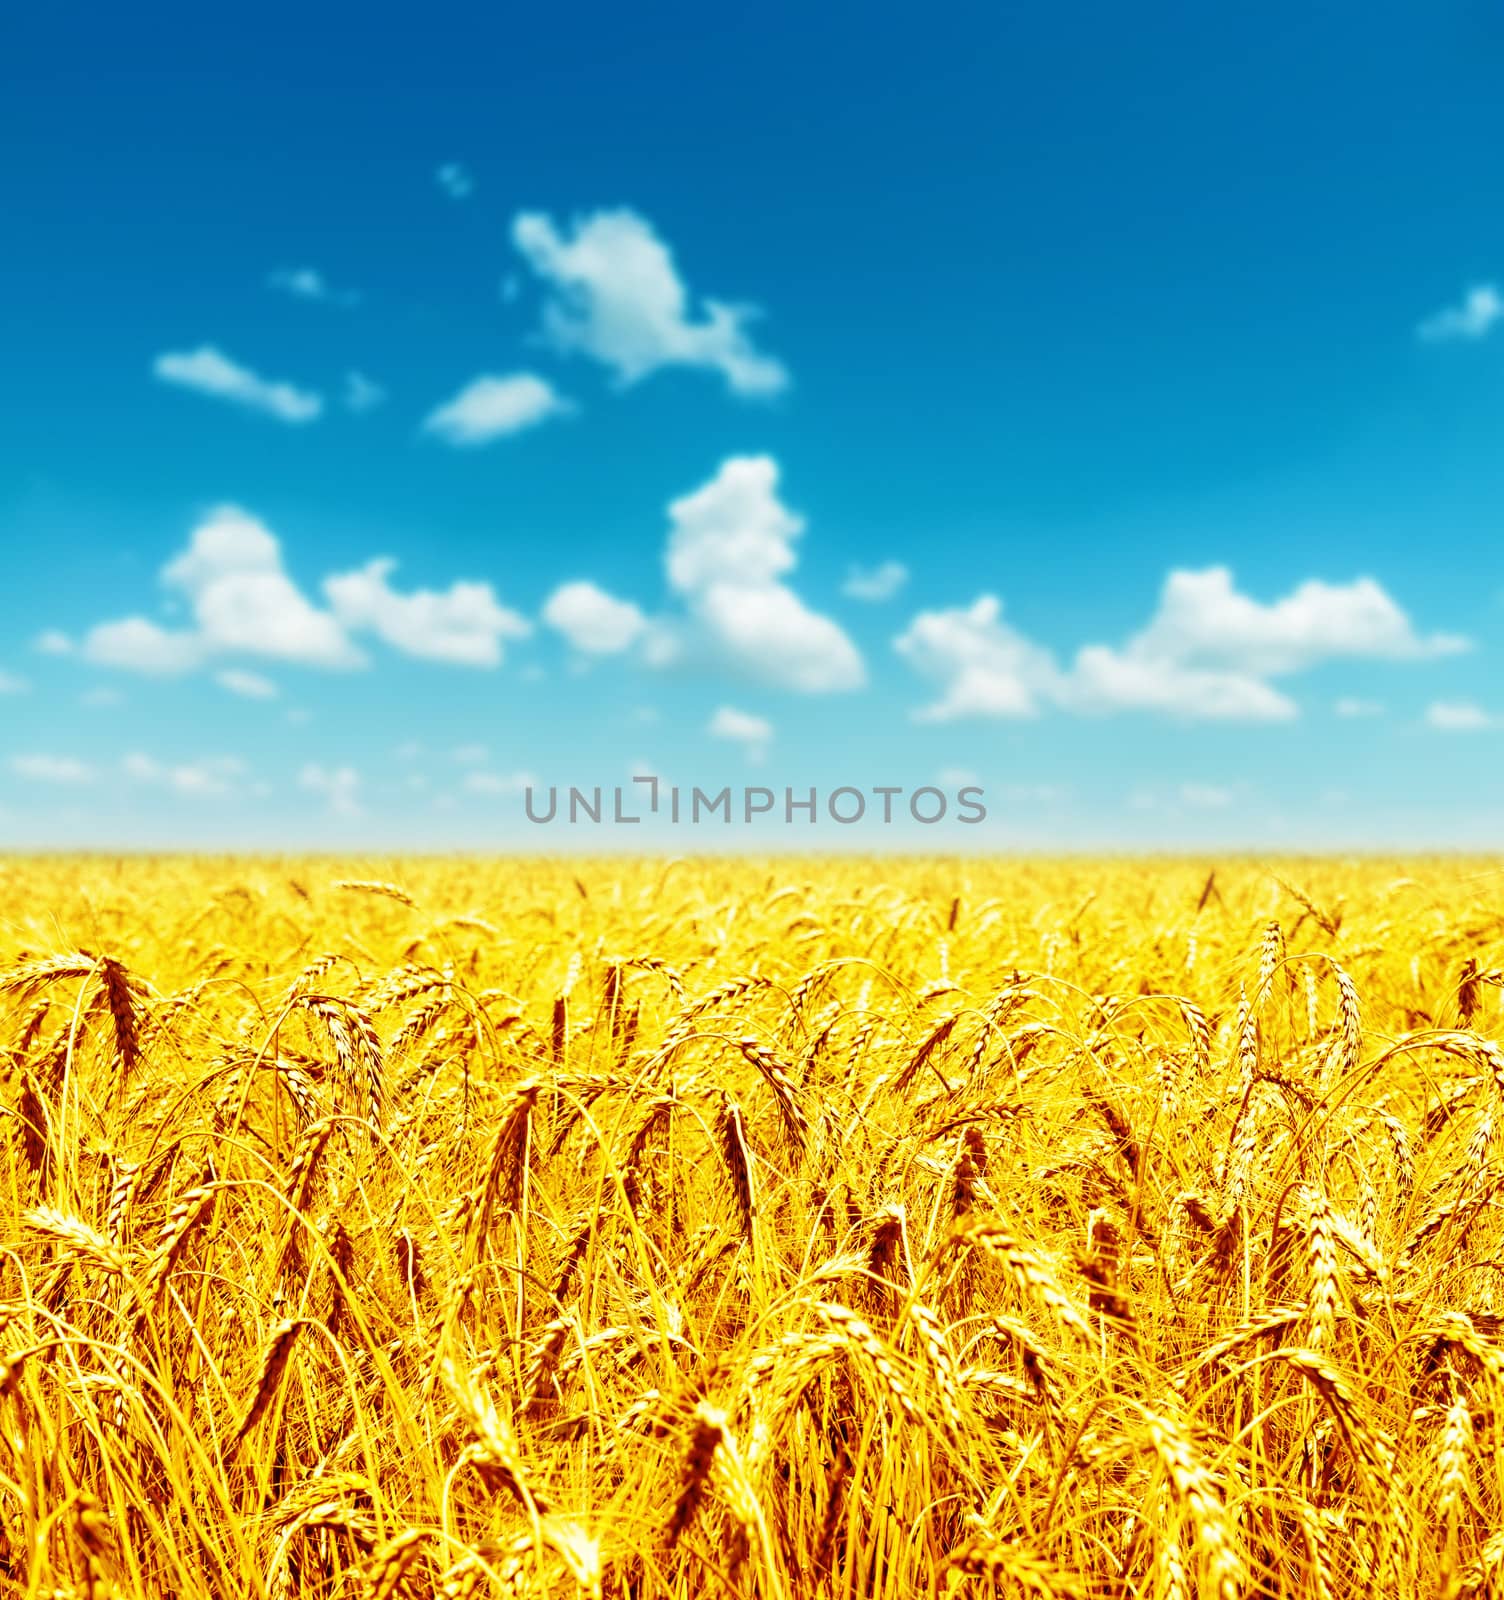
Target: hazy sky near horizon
(1101, 406)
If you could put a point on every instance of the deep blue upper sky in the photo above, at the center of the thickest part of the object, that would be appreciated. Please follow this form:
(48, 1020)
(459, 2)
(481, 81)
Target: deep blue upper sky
(1066, 300)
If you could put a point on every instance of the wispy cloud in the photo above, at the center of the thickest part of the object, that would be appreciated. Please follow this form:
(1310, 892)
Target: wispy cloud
(339, 787)
(361, 394)
(11, 684)
(308, 283)
(454, 178)
(1459, 716)
(248, 685)
(52, 769)
(753, 733)
(875, 583)
(216, 775)
(1473, 317)
(1206, 796)
(207, 370)
(499, 783)
(490, 407)
(1351, 706)
(617, 297)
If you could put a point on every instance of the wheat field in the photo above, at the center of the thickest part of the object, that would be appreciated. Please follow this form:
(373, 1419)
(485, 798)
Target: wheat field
(789, 1228)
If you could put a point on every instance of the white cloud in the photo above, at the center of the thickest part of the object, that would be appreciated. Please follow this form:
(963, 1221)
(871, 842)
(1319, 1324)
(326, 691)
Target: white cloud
(618, 298)
(1207, 653)
(499, 783)
(52, 769)
(958, 777)
(1350, 706)
(1458, 716)
(136, 644)
(463, 624)
(730, 543)
(753, 733)
(1204, 621)
(53, 642)
(471, 755)
(1472, 318)
(214, 776)
(243, 600)
(102, 696)
(339, 786)
(768, 630)
(11, 684)
(361, 394)
(455, 180)
(489, 408)
(249, 685)
(244, 603)
(594, 622)
(308, 283)
(985, 667)
(209, 371)
(875, 583)
(1107, 680)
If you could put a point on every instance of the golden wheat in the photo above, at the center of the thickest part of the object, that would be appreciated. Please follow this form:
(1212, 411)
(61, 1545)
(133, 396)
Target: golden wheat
(777, 1229)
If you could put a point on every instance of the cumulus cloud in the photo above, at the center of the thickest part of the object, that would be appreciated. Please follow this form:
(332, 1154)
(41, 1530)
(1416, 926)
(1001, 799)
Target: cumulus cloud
(209, 371)
(731, 542)
(1459, 716)
(877, 583)
(1203, 619)
(308, 283)
(11, 684)
(595, 623)
(137, 644)
(338, 786)
(52, 769)
(1208, 652)
(243, 602)
(463, 625)
(1473, 317)
(753, 733)
(453, 177)
(983, 665)
(248, 685)
(491, 407)
(616, 296)
(729, 550)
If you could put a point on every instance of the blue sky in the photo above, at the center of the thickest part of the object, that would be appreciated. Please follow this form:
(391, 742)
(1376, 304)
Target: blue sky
(1104, 407)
